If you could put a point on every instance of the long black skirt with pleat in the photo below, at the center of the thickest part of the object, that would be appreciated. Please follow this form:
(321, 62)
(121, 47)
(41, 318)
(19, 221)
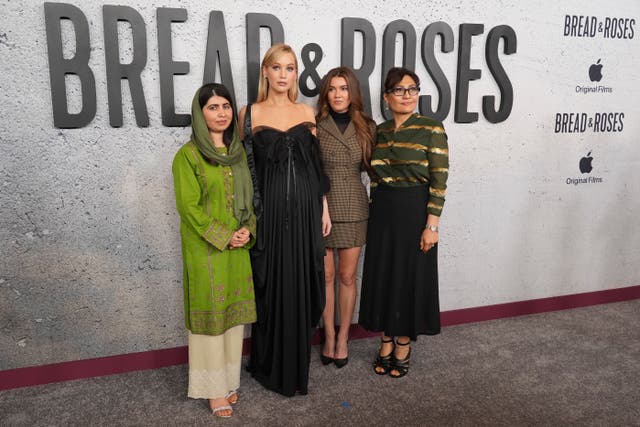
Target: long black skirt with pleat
(399, 283)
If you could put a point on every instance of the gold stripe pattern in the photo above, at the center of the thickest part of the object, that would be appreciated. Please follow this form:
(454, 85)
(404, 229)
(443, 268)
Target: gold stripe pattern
(439, 170)
(400, 178)
(432, 129)
(408, 145)
(441, 151)
(387, 129)
(437, 192)
(383, 162)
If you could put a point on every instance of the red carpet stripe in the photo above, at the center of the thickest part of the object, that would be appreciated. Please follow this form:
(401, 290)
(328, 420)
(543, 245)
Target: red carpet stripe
(77, 369)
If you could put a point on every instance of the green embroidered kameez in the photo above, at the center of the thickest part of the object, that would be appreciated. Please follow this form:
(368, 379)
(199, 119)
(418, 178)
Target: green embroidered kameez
(217, 281)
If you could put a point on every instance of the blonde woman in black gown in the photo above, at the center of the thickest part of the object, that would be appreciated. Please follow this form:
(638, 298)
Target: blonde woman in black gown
(287, 259)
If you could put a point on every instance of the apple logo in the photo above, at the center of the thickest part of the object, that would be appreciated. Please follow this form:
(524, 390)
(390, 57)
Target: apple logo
(595, 72)
(585, 163)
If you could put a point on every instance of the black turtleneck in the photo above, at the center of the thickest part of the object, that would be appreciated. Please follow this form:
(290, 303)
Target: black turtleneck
(342, 119)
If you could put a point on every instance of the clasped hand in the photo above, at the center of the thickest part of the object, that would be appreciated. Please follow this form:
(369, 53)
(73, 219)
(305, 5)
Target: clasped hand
(240, 238)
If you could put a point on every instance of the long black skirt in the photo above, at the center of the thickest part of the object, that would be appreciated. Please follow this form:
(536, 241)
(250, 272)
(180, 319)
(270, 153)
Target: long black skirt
(399, 283)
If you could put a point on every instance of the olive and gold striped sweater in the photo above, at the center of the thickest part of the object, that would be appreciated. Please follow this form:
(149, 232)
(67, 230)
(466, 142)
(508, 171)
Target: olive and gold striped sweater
(415, 154)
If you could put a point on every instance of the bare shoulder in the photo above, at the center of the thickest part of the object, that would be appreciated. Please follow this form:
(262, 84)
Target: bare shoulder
(308, 115)
(307, 112)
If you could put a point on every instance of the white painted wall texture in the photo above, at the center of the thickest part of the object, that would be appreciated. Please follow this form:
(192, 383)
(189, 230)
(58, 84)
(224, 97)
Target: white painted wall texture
(89, 244)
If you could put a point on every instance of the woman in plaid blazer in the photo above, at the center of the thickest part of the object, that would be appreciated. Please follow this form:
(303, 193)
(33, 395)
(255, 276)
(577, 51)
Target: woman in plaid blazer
(346, 137)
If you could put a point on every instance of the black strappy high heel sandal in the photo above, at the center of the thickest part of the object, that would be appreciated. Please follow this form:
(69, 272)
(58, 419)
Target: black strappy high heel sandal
(383, 362)
(400, 365)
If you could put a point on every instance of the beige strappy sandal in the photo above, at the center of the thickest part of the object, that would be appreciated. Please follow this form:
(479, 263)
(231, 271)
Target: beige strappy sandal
(232, 397)
(217, 410)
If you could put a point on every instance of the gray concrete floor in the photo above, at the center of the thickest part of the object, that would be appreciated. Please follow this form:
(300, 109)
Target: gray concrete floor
(577, 367)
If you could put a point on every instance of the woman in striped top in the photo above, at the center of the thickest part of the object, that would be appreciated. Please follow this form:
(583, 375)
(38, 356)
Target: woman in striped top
(410, 164)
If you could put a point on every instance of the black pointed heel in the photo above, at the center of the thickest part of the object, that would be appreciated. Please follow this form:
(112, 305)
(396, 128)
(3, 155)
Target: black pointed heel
(341, 363)
(326, 360)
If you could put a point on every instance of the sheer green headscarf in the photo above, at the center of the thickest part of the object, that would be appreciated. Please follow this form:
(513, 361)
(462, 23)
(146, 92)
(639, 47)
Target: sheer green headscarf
(235, 157)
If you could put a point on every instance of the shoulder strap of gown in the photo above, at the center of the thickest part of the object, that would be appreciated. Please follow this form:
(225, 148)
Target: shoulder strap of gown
(247, 121)
(248, 147)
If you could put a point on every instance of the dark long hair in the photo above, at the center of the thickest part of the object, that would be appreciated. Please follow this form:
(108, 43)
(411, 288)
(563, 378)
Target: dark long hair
(395, 74)
(360, 119)
(216, 89)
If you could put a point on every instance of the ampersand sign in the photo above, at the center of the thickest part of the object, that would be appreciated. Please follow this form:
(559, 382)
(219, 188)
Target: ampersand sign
(310, 69)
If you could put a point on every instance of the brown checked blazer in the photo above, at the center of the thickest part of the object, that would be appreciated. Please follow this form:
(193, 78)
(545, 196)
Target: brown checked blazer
(342, 158)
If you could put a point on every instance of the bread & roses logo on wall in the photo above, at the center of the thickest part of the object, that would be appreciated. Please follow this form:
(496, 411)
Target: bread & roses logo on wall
(622, 28)
(584, 122)
(438, 38)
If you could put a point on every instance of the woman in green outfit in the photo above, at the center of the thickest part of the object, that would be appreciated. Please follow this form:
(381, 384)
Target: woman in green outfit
(214, 197)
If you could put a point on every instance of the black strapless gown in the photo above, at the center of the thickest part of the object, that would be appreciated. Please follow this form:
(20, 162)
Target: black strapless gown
(287, 259)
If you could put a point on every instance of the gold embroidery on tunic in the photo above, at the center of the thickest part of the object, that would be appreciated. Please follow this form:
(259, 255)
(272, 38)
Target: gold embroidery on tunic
(205, 192)
(240, 313)
(227, 177)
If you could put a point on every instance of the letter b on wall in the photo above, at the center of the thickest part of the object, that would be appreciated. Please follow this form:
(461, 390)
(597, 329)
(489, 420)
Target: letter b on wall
(78, 65)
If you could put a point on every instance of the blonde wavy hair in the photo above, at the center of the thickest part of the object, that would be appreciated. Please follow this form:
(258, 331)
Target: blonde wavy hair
(273, 54)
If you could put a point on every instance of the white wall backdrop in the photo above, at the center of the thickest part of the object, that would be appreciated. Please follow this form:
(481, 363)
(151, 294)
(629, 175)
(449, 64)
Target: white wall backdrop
(89, 245)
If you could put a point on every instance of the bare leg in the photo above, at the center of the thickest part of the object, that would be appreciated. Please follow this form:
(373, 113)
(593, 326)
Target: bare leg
(347, 291)
(401, 352)
(328, 315)
(386, 348)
